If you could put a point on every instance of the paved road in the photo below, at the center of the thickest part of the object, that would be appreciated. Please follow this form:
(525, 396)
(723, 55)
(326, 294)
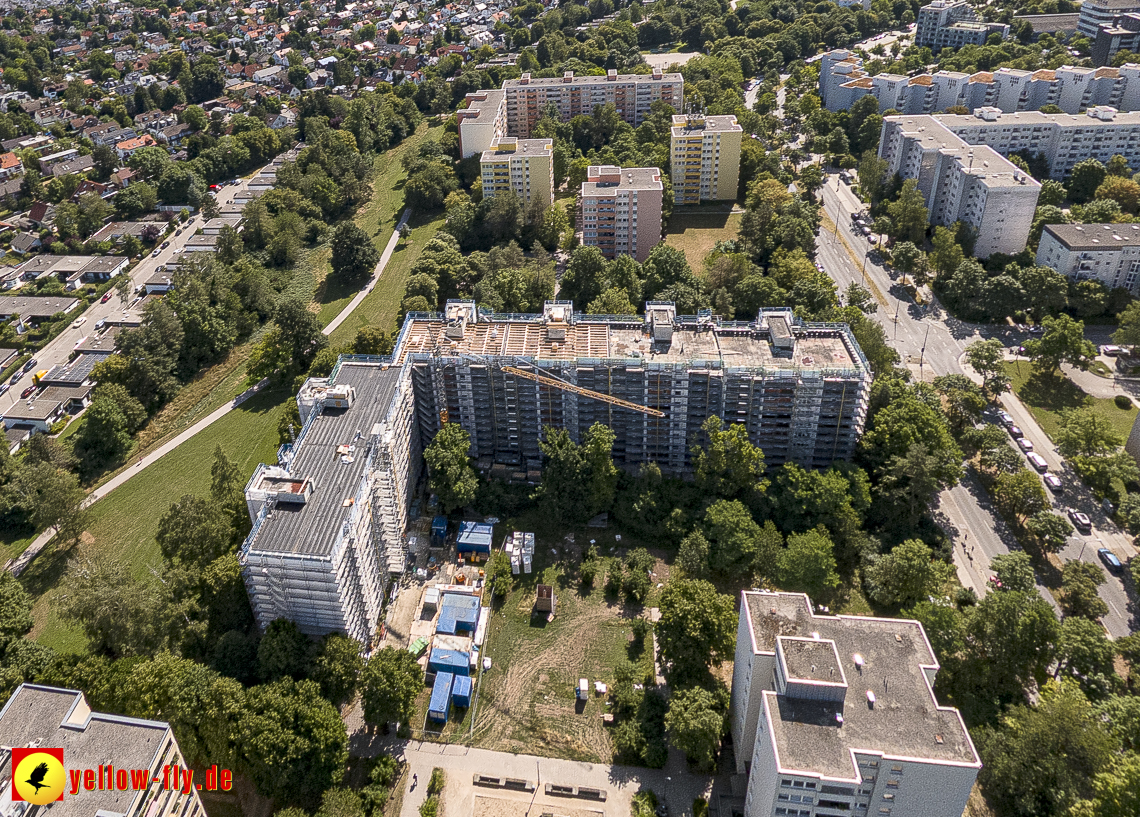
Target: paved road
(933, 343)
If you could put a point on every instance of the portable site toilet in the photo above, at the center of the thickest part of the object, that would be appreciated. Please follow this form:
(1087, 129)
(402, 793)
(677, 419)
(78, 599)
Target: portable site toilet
(440, 705)
(583, 689)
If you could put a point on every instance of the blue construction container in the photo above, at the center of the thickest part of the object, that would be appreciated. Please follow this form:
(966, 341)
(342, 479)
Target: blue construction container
(451, 661)
(461, 690)
(440, 705)
(438, 531)
(474, 537)
(464, 610)
(446, 623)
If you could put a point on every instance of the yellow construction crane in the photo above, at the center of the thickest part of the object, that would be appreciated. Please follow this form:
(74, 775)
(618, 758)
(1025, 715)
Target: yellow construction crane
(593, 395)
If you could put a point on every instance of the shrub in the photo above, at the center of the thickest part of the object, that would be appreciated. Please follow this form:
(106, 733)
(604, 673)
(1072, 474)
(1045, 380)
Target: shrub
(640, 629)
(614, 578)
(437, 782)
(589, 573)
(644, 804)
(429, 807)
(1123, 401)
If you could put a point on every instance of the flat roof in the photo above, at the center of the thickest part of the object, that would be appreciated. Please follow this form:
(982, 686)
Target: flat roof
(683, 123)
(1022, 118)
(894, 656)
(488, 108)
(312, 528)
(624, 178)
(510, 146)
(1096, 236)
(593, 79)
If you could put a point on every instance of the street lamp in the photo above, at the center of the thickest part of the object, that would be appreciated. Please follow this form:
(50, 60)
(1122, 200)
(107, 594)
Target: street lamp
(922, 351)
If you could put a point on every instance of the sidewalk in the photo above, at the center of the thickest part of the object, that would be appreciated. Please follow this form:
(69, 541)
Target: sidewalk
(365, 291)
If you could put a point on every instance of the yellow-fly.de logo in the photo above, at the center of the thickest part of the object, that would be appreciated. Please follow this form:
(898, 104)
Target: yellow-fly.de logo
(37, 775)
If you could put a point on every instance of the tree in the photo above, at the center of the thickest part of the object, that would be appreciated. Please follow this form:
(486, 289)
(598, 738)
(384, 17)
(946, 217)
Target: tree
(808, 565)
(1042, 758)
(194, 532)
(1051, 530)
(290, 741)
(1124, 192)
(946, 255)
(693, 555)
(340, 803)
(284, 652)
(1128, 330)
(696, 629)
(354, 256)
(906, 575)
(291, 345)
(597, 453)
(564, 490)
(585, 276)
(728, 465)
(230, 246)
(15, 610)
(1014, 572)
(372, 340)
(1085, 654)
(452, 478)
(105, 436)
(695, 722)
(1085, 432)
(51, 497)
(1079, 583)
(1020, 493)
(1086, 177)
(1115, 791)
(613, 301)
(337, 668)
(1062, 342)
(137, 199)
(389, 685)
(732, 536)
(909, 214)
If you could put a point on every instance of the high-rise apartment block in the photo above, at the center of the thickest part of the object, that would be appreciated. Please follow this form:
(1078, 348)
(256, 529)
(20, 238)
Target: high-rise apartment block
(705, 158)
(329, 519)
(619, 210)
(524, 166)
(836, 715)
(482, 121)
(42, 716)
(843, 81)
(953, 24)
(1097, 13)
(962, 181)
(1109, 253)
(631, 94)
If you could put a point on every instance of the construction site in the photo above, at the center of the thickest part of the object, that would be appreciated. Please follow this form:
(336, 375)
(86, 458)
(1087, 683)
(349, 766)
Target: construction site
(330, 518)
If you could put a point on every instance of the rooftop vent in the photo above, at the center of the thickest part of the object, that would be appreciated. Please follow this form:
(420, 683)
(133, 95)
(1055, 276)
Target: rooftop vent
(839, 720)
(858, 659)
(938, 739)
(870, 699)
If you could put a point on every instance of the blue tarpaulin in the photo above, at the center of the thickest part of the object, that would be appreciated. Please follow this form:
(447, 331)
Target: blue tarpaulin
(440, 704)
(461, 690)
(442, 660)
(460, 609)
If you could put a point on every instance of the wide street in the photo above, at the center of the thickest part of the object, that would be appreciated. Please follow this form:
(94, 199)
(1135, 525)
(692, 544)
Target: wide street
(932, 343)
(59, 350)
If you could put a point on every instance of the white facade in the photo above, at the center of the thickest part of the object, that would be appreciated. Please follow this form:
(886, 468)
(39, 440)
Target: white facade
(1109, 253)
(811, 735)
(482, 121)
(1097, 13)
(953, 24)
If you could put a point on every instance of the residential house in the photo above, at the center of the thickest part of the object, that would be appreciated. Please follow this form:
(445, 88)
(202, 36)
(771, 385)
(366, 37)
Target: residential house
(10, 166)
(129, 147)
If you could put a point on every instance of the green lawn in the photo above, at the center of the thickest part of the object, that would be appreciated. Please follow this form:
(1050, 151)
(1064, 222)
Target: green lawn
(1047, 395)
(125, 522)
(694, 231)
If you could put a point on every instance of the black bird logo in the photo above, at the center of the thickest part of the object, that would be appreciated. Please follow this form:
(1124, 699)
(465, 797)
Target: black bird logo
(38, 775)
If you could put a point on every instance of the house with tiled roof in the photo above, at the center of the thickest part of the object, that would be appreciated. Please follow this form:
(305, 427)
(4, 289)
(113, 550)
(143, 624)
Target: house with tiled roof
(129, 147)
(10, 166)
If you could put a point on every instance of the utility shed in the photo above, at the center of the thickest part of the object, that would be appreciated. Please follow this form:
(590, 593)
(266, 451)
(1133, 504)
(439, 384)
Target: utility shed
(461, 612)
(461, 690)
(438, 531)
(544, 599)
(440, 704)
(448, 661)
(474, 537)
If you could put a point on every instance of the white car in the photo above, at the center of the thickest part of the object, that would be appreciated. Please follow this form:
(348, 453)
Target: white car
(78, 322)
(1038, 462)
(1024, 444)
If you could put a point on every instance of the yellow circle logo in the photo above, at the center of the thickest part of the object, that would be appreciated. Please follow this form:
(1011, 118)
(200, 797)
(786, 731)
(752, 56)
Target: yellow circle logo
(39, 778)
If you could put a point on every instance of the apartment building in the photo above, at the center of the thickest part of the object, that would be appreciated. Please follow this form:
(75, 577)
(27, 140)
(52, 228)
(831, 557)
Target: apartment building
(1123, 34)
(524, 166)
(631, 94)
(837, 715)
(1097, 13)
(962, 181)
(705, 156)
(800, 389)
(1063, 139)
(953, 24)
(482, 121)
(1109, 253)
(843, 81)
(329, 519)
(38, 715)
(619, 210)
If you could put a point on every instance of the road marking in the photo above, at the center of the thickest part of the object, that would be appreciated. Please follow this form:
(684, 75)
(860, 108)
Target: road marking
(829, 225)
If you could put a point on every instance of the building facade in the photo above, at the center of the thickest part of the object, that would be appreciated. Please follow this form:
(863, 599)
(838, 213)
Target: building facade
(631, 94)
(962, 181)
(953, 24)
(837, 715)
(482, 121)
(38, 715)
(619, 210)
(705, 158)
(523, 166)
(1097, 13)
(1109, 253)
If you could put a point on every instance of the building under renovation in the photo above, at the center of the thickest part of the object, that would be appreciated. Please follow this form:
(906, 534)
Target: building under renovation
(329, 518)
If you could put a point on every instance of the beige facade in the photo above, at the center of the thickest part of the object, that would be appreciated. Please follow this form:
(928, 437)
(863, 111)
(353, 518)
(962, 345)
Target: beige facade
(705, 154)
(525, 166)
(482, 120)
(631, 94)
(619, 210)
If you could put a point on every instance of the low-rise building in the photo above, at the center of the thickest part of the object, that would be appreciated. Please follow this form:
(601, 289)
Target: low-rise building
(837, 715)
(1109, 253)
(619, 210)
(524, 166)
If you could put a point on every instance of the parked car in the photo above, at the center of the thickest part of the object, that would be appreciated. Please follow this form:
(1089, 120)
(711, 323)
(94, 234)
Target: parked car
(1053, 482)
(1005, 418)
(78, 322)
(164, 245)
(1113, 351)
(1037, 461)
(27, 392)
(1080, 521)
(1024, 444)
(156, 252)
(106, 297)
(31, 364)
(1110, 560)
(4, 388)
(1015, 432)
(99, 324)
(14, 379)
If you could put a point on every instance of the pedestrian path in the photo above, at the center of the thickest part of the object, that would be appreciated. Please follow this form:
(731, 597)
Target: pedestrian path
(365, 291)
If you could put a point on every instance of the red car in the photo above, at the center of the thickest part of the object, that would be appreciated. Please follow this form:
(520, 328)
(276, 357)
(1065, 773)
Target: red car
(27, 392)
(106, 297)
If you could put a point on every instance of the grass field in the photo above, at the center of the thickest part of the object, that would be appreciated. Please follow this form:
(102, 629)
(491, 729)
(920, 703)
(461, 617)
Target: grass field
(526, 701)
(695, 231)
(125, 522)
(1047, 395)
